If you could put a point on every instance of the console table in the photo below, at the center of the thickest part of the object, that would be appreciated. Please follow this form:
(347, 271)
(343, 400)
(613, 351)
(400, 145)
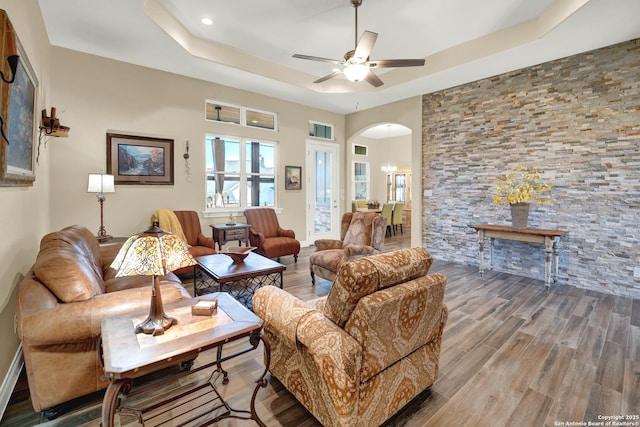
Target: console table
(223, 233)
(549, 238)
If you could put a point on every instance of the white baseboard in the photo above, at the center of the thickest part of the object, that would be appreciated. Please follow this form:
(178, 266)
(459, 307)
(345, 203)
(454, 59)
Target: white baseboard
(10, 380)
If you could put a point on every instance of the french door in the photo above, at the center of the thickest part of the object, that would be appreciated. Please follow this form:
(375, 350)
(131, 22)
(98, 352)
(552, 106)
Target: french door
(323, 216)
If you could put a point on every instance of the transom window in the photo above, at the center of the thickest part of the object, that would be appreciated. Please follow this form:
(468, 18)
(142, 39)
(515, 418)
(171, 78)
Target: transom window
(320, 130)
(240, 173)
(216, 111)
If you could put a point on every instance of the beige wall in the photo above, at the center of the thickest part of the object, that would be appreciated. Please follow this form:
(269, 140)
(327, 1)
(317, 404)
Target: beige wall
(24, 211)
(407, 112)
(95, 95)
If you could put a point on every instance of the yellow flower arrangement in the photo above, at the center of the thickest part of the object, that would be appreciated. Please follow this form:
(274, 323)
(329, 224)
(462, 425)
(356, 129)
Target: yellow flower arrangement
(522, 185)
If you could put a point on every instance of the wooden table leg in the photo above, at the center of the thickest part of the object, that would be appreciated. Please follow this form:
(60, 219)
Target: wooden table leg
(481, 243)
(111, 400)
(556, 259)
(491, 252)
(547, 261)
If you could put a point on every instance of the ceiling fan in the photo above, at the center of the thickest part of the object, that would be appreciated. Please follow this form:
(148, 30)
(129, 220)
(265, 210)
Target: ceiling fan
(356, 63)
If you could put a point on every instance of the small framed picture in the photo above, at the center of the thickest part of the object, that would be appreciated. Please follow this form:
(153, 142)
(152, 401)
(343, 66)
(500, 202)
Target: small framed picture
(140, 159)
(292, 177)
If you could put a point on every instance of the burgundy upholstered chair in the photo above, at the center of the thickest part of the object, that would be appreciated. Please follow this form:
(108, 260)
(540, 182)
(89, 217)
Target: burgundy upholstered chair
(271, 240)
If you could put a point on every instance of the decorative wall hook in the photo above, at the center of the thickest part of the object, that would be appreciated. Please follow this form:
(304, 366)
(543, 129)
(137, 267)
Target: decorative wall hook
(13, 66)
(12, 59)
(12, 56)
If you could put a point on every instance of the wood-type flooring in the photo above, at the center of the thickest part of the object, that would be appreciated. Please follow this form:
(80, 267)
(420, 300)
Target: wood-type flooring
(513, 354)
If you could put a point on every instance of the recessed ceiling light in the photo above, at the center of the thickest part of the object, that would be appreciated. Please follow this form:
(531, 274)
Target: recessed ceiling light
(206, 21)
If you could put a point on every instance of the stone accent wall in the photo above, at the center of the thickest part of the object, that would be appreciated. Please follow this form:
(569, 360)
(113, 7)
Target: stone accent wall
(577, 119)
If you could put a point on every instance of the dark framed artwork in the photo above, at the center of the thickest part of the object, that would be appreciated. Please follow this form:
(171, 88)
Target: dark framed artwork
(140, 159)
(292, 177)
(18, 111)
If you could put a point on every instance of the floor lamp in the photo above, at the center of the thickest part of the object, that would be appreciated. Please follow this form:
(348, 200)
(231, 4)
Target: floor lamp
(100, 184)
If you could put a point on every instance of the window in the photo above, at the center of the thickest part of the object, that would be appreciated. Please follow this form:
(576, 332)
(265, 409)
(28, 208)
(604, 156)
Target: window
(360, 180)
(219, 112)
(235, 114)
(320, 130)
(240, 173)
(260, 119)
(360, 150)
(401, 187)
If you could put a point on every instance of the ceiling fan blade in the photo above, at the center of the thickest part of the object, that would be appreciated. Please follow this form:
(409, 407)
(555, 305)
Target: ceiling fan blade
(317, 58)
(396, 63)
(328, 76)
(373, 79)
(365, 45)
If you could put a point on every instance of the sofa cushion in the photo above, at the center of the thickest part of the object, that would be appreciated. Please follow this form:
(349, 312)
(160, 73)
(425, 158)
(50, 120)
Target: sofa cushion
(68, 264)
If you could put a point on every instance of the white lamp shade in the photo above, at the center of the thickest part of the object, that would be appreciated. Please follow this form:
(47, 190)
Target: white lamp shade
(356, 72)
(100, 183)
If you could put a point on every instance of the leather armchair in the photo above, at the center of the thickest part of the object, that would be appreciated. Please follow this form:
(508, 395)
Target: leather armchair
(360, 354)
(189, 228)
(271, 240)
(60, 306)
(362, 234)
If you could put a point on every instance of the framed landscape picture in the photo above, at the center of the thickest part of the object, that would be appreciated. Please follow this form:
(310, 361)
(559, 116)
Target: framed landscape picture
(18, 124)
(140, 159)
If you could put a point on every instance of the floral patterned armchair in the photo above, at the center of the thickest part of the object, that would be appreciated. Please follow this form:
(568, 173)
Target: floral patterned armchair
(360, 354)
(362, 234)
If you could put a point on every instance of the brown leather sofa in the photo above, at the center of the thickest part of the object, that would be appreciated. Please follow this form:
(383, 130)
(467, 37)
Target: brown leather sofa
(60, 305)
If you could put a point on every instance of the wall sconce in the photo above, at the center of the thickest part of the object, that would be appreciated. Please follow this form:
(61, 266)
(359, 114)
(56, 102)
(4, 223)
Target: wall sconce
(51, 124)
(185, 156)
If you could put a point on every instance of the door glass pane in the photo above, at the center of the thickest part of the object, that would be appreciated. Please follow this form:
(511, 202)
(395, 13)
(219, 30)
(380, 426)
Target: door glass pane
(323, 192)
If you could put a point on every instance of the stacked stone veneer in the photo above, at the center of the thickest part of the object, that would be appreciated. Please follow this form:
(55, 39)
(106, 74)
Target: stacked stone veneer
(578, 119)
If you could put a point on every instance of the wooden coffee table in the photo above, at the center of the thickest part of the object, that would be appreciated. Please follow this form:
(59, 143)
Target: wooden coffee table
(126, 356)
(240, 280)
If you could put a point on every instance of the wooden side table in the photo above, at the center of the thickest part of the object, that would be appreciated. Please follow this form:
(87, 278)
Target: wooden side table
(223, 233)
(126, 356)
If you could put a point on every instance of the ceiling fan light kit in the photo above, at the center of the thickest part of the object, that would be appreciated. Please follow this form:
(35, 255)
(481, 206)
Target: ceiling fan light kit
(356, 64)
(356, 72)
